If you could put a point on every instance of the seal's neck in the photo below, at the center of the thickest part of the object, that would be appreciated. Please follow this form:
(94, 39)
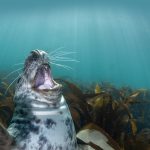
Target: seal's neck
(34, 99)
(35, 104)
(43, 110)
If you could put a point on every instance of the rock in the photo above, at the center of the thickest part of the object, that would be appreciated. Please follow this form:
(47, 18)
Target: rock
(96, 138)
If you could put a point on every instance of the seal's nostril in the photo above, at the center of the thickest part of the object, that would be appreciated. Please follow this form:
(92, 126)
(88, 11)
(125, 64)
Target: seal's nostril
(35, 52)
(39, 54)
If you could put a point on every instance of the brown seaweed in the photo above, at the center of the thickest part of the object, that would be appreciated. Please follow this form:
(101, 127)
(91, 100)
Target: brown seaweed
(6, 104)
(106, 106)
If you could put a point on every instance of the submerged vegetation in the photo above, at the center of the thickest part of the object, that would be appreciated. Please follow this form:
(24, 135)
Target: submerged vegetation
(6, 104)
(123, 113)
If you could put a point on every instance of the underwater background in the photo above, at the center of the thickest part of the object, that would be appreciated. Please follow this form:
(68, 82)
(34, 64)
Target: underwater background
(111, 38)
(106, 80)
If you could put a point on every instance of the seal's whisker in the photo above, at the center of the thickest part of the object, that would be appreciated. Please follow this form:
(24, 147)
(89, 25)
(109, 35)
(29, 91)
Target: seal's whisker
(18, 64)
(54, 51)
(62, 53)
(60, 57)
(12, 73)
(63, 59)
(60, 65)
(11, 84)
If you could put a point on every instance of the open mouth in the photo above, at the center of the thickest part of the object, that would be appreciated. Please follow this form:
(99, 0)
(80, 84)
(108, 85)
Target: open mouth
(43, 79)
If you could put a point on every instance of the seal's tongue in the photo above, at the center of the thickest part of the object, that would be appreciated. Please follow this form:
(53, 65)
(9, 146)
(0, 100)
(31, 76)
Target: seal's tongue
(44, 80)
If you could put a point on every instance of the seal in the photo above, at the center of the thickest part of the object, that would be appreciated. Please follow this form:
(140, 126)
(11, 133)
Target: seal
(41, 120)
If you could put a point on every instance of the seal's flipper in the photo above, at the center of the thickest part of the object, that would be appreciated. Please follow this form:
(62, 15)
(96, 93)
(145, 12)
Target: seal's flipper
(6, 141)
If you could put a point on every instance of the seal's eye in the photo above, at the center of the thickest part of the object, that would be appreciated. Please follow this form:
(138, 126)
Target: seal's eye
(18, 80)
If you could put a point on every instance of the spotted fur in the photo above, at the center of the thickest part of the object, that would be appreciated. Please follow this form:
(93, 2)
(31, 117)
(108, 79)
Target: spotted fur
(41, 120)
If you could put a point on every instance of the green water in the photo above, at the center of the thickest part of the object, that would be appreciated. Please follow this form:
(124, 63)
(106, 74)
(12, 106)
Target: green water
(111, 39)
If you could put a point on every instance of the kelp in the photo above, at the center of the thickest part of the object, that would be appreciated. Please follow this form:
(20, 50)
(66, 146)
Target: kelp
(97, 89)
(110, 108)
(113, 113)
(140, 142)
(6, 104)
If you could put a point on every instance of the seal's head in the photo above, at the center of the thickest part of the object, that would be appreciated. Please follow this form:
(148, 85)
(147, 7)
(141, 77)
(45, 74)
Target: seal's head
(37, 75)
